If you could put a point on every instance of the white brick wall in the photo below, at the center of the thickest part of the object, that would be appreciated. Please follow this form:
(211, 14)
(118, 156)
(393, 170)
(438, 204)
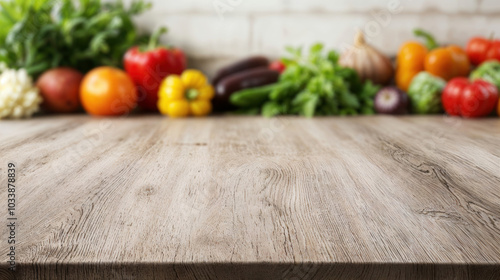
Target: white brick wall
(212, 37)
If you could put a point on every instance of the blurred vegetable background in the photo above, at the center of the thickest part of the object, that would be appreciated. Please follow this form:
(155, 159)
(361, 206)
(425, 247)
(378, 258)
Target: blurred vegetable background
(89, 55)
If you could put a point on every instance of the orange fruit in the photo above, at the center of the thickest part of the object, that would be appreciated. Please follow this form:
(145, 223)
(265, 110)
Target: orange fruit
(448, 63)
(411, 56)
(440, 63)
(410, 62)
(108, 91)
(498, 109)
(404, 78)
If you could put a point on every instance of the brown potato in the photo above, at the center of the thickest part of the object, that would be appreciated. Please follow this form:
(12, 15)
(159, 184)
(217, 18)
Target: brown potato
(60, 88)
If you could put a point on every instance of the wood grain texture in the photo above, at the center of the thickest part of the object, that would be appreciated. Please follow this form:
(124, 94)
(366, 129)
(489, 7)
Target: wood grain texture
(252, 198)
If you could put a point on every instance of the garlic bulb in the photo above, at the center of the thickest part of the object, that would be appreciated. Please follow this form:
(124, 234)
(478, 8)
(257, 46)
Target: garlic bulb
(368, 62)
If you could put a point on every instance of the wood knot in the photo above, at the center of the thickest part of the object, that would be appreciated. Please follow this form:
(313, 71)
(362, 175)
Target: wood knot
(147, 191)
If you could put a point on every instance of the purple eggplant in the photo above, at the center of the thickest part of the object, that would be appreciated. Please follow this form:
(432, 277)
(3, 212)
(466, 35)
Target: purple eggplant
(240, 66)
(248, 79)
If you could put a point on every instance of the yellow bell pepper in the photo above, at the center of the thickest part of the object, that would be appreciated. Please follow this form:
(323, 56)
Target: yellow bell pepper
(185, 95)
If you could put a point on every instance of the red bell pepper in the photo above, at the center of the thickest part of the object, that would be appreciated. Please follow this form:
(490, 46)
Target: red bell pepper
(480, 49)
(148, 66)
(462, 98)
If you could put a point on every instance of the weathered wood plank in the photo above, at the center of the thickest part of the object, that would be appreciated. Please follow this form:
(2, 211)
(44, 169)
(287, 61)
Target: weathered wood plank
(244, 197)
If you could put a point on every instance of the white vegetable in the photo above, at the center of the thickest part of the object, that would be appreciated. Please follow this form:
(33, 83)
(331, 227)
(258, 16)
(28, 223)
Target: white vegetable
(19, 98)
(368, 62)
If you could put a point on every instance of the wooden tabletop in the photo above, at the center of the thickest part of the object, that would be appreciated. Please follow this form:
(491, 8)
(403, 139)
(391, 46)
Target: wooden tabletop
(253, 198)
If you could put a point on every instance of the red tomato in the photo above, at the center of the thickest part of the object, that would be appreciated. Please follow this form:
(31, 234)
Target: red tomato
(451, 95)
(278, 66)
(494, 51)
(478, 99)
(480, 49)
(476, 49)
(463, 98)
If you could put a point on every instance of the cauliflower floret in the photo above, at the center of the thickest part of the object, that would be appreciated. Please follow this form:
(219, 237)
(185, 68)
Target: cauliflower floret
(19, 98)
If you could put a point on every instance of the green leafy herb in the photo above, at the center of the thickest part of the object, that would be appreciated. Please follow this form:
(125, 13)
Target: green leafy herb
(41, 34)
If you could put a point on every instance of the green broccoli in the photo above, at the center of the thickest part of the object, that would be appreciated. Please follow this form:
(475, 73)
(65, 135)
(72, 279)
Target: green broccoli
(488, 71)
(425, 93)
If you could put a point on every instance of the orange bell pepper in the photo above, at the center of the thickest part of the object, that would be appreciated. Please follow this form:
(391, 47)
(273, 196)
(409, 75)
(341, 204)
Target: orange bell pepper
(444, 62)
